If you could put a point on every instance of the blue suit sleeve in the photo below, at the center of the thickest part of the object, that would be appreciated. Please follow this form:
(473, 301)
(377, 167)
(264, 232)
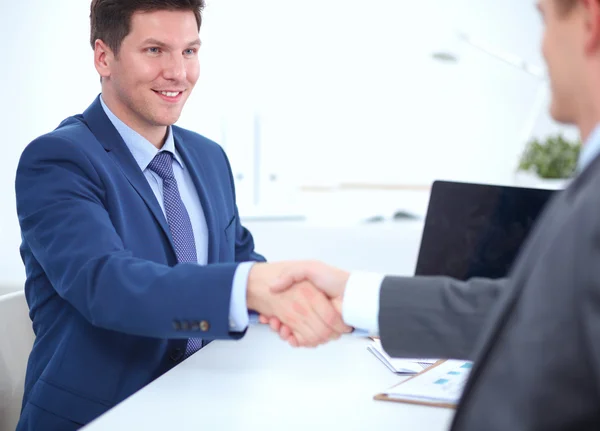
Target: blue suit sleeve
(64, 221)
(239, 315)
(238, 311)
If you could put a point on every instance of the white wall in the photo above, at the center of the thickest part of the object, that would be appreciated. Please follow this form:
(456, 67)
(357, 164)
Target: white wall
(353, 92)
(345, 91)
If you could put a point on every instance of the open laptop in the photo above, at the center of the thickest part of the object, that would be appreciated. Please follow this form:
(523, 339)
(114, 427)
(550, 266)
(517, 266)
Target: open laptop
(476, 230)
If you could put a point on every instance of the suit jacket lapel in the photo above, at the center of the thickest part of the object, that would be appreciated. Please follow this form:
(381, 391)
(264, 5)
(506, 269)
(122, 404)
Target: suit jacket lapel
(202, 184)
(504, 309)
(112, 142)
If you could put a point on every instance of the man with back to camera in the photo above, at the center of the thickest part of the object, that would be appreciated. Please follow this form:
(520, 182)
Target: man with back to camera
(534, 336)
(134, 252)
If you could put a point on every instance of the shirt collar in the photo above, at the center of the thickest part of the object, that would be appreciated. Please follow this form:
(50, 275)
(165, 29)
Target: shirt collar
(142, 150)
(590, 150)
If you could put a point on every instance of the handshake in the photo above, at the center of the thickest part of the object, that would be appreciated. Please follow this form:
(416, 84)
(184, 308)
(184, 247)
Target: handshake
(302, 301)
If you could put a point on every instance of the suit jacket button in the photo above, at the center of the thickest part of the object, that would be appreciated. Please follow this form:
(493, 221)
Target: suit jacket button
(204, 326)
(176, 355)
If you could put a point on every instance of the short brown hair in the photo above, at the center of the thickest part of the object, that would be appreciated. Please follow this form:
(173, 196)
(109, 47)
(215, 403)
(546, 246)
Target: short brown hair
(111, 19)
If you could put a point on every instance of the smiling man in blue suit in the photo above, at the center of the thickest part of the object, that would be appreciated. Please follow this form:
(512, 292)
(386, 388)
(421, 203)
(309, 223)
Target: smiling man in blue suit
(133, 248)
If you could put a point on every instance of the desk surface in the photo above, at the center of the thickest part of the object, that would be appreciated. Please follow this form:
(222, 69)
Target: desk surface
(260, 383)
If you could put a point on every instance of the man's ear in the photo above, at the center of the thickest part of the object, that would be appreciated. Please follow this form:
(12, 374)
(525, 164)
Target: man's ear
(591, 16)
(103, 58)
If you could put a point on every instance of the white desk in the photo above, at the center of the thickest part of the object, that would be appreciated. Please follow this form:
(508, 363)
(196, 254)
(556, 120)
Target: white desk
(259, 383)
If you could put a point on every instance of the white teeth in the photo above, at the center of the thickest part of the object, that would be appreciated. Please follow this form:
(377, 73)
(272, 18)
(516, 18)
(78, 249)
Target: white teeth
(169, 94)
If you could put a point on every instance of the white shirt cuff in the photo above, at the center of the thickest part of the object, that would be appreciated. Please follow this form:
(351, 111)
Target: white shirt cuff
(360, 308)
(238, 311)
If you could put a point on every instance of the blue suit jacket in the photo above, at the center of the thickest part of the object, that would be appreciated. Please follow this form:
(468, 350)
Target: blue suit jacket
(110, 308)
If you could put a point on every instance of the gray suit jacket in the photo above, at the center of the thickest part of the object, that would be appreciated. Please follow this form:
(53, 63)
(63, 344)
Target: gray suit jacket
(534, 337)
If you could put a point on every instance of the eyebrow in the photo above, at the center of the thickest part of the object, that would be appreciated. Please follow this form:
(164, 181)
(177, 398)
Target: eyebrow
(156, 42)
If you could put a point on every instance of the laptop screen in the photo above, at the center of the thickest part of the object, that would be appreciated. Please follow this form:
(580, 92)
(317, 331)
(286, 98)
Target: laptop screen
(476, 230)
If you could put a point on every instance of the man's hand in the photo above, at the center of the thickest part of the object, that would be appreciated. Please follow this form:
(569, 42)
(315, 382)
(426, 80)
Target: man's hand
(308, 314)
(330, 280)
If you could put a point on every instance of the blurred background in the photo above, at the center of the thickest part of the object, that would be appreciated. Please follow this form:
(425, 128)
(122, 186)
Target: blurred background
(337, 115)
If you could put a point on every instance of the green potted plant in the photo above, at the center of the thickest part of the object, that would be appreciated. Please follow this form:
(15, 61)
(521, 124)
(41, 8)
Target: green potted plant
(549, 163)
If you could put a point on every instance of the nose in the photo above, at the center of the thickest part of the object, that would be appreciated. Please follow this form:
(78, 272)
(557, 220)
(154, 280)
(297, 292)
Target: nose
(174, 67)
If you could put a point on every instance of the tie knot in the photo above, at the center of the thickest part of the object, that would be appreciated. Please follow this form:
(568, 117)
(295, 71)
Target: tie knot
(162, 164)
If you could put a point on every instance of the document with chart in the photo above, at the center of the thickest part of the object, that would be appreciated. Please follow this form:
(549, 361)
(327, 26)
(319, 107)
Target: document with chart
(440, 385)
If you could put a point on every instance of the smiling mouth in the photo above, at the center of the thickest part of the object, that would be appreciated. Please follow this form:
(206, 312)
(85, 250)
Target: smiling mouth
(169, 93)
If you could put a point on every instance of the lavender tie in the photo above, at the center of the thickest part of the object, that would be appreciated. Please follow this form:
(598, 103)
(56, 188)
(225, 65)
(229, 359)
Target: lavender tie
(179, 222)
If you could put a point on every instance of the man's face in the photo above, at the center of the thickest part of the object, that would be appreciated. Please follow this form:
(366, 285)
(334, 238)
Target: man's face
(155, 70)
(562, 48)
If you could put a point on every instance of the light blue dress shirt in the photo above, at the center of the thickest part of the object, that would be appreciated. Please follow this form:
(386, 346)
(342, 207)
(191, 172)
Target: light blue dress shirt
(143, 152)
(362, 293)
(590, 150)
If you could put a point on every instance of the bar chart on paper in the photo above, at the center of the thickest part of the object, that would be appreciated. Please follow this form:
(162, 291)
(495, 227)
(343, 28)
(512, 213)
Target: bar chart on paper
(442, 383)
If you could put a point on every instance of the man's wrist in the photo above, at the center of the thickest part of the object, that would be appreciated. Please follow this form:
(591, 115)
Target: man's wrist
(254, 286)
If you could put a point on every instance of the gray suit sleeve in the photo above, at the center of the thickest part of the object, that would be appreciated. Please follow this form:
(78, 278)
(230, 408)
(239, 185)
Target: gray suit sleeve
(434, 317)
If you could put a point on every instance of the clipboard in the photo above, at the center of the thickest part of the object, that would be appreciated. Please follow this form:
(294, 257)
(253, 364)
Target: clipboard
(440, 404)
